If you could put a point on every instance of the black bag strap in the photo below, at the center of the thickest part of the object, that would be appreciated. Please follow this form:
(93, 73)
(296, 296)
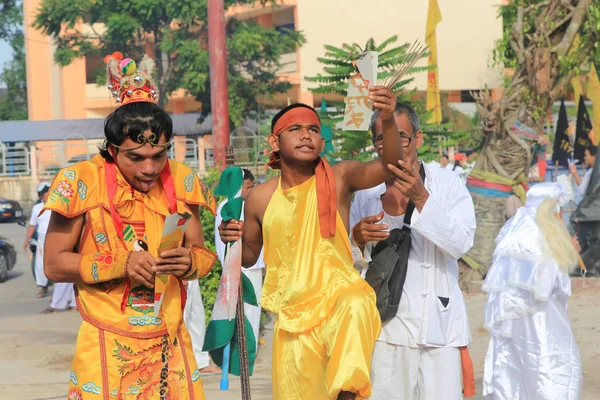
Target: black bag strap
(410, 208)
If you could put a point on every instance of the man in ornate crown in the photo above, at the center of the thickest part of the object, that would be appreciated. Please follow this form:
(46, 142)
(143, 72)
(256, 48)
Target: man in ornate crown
(104, 236)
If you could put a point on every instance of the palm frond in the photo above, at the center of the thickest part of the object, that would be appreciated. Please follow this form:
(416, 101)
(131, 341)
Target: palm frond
(329, 61)
(386, 43)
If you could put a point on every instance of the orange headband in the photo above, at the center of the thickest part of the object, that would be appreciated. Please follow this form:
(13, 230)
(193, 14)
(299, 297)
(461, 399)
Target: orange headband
(295, 116)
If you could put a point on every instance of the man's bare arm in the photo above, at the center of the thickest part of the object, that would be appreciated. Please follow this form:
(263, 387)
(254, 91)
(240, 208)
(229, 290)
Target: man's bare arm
(358, 175)
(252, 239)
(194, 234)
(61, 263)
(30, 231)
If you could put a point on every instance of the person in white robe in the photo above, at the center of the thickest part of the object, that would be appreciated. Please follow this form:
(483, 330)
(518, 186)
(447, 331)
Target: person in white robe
(418, 354)
(195, 321)
(63, 295)
(532, 353)
(39, 223)
(63, 298)
(445, 162)
(582, 184)
(460, 166)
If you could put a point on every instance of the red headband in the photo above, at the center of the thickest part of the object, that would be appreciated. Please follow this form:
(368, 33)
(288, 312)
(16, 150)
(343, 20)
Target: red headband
(296, 115)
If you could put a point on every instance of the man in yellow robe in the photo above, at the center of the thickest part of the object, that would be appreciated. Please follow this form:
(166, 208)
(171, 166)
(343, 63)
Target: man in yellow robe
(327, 319)
(104, 236)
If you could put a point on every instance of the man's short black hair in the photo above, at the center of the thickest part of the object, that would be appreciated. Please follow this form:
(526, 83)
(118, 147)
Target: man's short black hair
(131, 120)
(593, 150)
(288, 108)
(248, 175)
(401, 108)
(445, 156)
(45, 190)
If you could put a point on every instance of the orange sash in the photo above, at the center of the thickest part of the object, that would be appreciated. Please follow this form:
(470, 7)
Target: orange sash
(467, 372)
(326, 194)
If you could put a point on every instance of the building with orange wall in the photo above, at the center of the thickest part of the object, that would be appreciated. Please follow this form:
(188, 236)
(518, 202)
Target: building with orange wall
(465, 43)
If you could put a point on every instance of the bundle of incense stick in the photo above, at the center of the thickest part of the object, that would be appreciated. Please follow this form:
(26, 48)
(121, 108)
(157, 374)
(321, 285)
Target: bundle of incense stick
(414, 54)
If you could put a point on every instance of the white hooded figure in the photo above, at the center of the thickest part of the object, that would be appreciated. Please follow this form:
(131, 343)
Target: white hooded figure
(532, 354)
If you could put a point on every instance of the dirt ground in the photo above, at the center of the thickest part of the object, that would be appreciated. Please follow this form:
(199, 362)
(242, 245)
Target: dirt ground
(36, 350)
(36, 353)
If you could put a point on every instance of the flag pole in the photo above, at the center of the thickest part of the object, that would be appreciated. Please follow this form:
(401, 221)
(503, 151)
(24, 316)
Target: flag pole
(240, 321)
(224, 384)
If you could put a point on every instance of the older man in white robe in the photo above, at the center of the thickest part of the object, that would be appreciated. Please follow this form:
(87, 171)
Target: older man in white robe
(420, 352)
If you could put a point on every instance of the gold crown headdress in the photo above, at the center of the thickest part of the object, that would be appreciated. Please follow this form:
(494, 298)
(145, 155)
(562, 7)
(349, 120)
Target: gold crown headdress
(129, 83)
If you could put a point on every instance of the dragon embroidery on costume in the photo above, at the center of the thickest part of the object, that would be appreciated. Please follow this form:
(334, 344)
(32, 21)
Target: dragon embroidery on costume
(144, 375)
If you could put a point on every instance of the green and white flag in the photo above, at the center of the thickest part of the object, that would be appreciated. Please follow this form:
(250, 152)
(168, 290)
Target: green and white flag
(221, 328)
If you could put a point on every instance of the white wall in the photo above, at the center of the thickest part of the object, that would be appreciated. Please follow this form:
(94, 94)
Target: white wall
(465, 36)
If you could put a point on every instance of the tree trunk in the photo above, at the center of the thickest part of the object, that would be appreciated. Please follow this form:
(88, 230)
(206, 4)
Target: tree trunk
(536, 84)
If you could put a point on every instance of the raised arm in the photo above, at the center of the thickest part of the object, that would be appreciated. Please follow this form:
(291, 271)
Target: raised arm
(448, 218)
(363, 175)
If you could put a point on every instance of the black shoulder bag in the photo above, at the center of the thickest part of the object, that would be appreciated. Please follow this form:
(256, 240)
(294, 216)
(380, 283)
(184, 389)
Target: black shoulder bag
(387, 270)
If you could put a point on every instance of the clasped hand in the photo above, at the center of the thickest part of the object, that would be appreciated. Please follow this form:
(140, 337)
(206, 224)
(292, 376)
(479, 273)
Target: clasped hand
(142, 266)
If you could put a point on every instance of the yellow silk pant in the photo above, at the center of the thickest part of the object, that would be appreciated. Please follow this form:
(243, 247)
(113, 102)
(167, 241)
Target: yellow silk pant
(331, 357)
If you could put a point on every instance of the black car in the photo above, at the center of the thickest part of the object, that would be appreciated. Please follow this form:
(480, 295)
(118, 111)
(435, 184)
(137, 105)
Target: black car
(8, 257)
(10, 210)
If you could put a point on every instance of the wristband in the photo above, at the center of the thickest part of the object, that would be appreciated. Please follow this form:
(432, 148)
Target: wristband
(104, 266)
(202, 262)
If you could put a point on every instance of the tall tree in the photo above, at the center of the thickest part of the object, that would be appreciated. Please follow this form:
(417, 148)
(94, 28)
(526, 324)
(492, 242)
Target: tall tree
(13, 75)
(175, 32)
(337, 69)
(539, 44)
(11, 19)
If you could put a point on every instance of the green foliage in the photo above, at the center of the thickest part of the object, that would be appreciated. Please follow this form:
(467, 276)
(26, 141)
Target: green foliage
(11, 16)
(337, 67)
(13, 75)
(577, 61)
(178, 31)
(254, 53)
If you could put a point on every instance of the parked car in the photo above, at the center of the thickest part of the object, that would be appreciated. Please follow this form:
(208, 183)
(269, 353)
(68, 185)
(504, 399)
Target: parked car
(10, 210)
(8, 257)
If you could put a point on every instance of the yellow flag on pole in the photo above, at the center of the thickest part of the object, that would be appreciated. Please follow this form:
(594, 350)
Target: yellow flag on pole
(433, 91)
(593, 93)
(576, 81)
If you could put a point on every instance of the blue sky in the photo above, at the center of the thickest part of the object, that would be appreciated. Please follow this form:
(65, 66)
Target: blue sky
(5, 56)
